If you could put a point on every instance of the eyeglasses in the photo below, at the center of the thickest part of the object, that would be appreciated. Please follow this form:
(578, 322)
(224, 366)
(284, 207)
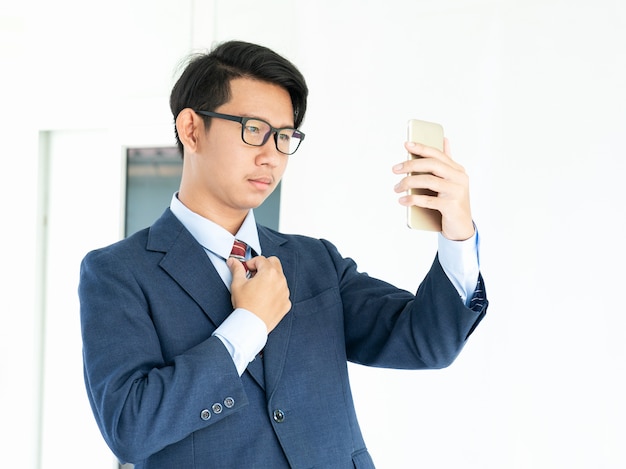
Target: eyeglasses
(256, 132)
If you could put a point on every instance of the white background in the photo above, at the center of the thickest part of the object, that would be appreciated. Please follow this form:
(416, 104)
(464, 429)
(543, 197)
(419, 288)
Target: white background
(532, 96)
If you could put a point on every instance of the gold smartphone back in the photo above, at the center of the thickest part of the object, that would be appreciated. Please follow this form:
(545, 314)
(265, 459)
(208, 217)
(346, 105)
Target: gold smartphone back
(429, 134)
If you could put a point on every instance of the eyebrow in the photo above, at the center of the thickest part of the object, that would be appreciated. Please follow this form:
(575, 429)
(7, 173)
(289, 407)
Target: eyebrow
(254, 116)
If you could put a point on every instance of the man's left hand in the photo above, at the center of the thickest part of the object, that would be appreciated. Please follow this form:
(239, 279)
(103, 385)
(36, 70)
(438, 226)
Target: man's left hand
(436, 171)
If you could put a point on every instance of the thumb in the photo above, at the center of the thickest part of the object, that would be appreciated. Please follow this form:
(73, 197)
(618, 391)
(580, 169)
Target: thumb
(236, 268)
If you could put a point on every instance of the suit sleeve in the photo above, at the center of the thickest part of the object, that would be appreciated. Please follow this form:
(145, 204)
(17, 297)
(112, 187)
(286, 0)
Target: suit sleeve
(142, 402)
(392, 328)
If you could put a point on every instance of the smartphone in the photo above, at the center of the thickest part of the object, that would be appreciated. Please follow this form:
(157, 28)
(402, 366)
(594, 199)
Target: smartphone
(429, 134)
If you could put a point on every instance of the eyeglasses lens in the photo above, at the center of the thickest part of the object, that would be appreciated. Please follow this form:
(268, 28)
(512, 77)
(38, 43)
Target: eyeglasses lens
(256, 132)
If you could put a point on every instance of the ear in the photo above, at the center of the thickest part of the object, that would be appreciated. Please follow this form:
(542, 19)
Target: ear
(189, 126)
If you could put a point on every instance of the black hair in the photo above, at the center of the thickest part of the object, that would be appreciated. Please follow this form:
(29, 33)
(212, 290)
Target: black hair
(204, 85)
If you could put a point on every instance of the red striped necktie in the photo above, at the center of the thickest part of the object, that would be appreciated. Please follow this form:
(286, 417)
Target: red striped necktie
(239, 253)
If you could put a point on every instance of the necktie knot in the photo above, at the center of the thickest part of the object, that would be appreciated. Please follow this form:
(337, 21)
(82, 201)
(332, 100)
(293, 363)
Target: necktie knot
(239, 252)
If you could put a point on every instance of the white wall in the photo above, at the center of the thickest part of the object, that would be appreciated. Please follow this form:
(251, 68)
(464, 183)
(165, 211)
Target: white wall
(532, 98)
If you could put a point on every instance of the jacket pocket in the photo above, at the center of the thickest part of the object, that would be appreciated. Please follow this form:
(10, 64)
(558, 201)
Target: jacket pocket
(362, 460)
(323, 301)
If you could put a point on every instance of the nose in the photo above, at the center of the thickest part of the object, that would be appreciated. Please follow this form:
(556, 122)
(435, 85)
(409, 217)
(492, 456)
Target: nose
(268, 154)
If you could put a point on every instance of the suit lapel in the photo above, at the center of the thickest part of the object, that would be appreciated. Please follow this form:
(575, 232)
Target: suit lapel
(275, 352)
(186, 262)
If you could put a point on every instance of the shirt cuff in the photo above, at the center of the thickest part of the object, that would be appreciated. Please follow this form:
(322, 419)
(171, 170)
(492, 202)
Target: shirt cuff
(244, 335)
(460, 262)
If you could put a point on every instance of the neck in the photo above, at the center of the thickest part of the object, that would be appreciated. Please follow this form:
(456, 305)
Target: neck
(229, 219)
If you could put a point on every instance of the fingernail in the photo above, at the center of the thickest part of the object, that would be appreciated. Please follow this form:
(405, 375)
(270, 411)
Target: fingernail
(398, 167)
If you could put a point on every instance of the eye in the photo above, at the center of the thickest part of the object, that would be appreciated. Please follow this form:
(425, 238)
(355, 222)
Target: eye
(253, 129)
(284, 137)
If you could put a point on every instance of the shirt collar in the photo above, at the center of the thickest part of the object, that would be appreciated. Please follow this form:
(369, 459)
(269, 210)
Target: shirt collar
(211, 235)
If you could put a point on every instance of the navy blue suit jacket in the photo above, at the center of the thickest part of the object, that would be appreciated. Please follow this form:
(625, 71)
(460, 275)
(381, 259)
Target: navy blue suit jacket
(165, 393)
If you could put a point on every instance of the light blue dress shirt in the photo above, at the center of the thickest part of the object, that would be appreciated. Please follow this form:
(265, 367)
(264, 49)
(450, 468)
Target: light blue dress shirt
(243, 333)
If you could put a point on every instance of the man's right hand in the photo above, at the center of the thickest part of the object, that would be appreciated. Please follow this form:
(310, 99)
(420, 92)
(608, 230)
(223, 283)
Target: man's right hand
(265, 293)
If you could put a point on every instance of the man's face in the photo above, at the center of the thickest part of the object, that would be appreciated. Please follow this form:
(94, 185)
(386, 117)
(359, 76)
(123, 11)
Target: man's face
(229, 176)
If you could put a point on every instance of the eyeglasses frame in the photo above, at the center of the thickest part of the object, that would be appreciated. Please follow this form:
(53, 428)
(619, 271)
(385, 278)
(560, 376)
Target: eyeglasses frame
(242, 120)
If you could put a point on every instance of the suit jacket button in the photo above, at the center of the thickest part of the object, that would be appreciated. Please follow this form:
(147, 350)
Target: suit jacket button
(205, 414)
(217, 408)
(229, 402)
(279, 416)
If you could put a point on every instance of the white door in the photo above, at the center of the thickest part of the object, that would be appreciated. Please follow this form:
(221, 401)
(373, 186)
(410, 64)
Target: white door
(85, 194)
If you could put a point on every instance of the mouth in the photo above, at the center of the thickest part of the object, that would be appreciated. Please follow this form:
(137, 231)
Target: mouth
(262, 182)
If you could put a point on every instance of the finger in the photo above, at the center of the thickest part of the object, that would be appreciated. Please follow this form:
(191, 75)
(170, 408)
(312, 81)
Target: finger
(255, 263)
(433, 187)
(272, 267)
(237, 269)
(260, 263)
(419, 149)
(424, 165)
(433, 175)
(419, 181)
(424, 152)
(428, 166)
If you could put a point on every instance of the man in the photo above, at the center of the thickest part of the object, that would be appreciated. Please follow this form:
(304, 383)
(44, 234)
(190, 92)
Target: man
(195, 359)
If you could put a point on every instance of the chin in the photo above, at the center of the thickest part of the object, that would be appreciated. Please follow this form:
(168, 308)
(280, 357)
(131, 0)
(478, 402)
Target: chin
(252, 204)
